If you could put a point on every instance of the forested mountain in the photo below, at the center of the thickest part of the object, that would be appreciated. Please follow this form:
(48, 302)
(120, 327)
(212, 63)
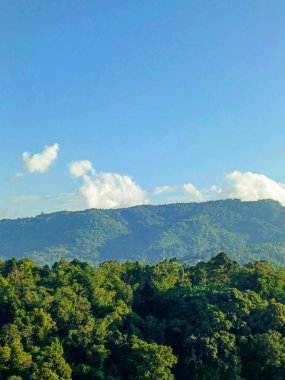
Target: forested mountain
(189, 231)
(132, 321)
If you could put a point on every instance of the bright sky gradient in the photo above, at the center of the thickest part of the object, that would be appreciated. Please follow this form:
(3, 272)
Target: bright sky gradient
(133, 102)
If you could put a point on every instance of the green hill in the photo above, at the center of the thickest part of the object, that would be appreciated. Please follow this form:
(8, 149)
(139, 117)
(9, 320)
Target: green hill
(189, 231)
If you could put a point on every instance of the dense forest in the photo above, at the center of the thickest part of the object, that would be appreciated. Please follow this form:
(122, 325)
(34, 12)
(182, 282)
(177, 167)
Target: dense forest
(191, 232)
(118, 321)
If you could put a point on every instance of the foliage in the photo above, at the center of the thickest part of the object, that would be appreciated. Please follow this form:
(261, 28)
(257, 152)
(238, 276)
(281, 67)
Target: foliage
(214, 320)
(192, 232)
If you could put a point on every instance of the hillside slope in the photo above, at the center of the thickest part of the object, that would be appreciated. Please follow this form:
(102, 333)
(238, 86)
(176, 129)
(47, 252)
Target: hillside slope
(190, 231)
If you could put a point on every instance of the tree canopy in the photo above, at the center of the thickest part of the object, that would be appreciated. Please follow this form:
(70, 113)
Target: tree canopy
(117, 321)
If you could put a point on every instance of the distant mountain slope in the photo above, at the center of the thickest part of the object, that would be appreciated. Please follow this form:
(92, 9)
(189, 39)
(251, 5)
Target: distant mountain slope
(190, 231)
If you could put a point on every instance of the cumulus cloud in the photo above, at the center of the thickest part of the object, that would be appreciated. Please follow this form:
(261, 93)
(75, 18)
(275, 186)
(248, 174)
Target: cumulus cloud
(163, 190)
(252, 186)
(40, 162)
(195, 194)
(106, 190)
(246, 186)
(81, 168)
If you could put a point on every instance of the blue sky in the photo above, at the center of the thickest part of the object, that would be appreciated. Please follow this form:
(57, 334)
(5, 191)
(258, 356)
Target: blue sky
(158, 93)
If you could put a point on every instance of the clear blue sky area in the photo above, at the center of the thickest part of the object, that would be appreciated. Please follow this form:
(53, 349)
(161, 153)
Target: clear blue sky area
(167, 92)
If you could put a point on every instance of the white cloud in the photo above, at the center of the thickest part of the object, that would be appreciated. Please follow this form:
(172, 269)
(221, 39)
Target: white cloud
(163, 190)
(195, 194)
(107, 190)
(246, 186)
(251, 186)
(40, 162)
(17, 175)
(80, 168)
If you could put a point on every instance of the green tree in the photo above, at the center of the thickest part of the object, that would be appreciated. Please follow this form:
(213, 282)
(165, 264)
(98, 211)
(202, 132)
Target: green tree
(152, 361)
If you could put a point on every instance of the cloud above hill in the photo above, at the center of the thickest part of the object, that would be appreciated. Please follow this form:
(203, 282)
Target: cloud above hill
(112, 190)
(246, 186)
(40, 162)
(163, 189)
(106, 190)
(251, 186)
(196, 195)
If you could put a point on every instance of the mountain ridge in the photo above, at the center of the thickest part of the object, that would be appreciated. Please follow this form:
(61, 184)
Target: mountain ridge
(149, 233)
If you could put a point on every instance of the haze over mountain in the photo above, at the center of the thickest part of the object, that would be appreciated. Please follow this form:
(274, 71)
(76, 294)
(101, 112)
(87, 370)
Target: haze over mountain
(189, 231)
